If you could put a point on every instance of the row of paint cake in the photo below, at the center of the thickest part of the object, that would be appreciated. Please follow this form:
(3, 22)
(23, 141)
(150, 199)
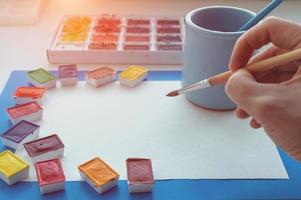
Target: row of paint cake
(42, 78)
(50, 173)
(25, 134)
(101, 177)
(110, 32)
(130, 77)
(44, 153)
(68, 75)
(30, 99)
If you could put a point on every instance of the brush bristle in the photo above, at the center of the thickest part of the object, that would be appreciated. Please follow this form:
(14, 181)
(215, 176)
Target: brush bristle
(173, 93)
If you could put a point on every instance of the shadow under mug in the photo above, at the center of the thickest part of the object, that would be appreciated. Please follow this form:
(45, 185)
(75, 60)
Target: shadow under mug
(210, 35)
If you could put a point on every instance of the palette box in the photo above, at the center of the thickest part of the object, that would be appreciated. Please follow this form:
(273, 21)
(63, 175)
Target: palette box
(42, 78)
(45, 148)
(140, 175)
(132, 76)
(12, 168)
(30, 112)
(68, 75)
(26, 94)
(50, 175)
(112, 39)
(14, 12)
(98, 175)
(20, 133)
(100, 76)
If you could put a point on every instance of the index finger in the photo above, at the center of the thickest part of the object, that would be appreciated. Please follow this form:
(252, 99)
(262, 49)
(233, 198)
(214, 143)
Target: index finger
(281, 33)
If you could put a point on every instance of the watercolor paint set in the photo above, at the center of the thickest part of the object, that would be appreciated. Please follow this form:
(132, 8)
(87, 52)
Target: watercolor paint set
(13, 12)
(45, 148)
(12, 168)
(98, 175)
(19, 134)
(112, 39)
(51, 177)
(140, 175)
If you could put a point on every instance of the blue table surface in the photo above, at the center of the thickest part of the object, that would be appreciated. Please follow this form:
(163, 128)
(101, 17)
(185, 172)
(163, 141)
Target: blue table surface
(167, 189)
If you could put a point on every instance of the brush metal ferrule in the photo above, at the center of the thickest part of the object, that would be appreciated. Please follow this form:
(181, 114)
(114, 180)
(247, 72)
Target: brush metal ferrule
(196, 86)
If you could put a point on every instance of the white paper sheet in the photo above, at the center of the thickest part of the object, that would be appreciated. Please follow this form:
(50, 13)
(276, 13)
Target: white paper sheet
(183, 140)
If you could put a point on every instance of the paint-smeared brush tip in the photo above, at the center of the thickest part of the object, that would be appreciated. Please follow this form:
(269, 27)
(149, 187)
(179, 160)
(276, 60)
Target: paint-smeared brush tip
(173, 93)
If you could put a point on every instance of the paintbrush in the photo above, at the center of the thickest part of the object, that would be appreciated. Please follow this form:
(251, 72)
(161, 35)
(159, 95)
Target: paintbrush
(260, 66)
(261, 14)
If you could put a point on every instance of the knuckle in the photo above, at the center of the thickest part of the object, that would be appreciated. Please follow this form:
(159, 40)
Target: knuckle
(231, 85)
(271, 20)
(240, 39)
(236, 88)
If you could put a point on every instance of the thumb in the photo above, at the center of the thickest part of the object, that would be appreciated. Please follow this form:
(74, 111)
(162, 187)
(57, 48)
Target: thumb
(244, 90)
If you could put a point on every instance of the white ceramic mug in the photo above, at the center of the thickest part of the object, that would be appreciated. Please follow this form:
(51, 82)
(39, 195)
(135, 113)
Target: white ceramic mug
(210, 35)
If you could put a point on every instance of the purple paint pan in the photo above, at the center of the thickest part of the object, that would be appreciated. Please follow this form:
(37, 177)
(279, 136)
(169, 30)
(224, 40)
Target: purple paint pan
(20, 133)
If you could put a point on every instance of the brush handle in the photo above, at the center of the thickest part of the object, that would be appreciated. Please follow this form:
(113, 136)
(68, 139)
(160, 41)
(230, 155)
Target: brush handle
(264, 12)
(260, 66)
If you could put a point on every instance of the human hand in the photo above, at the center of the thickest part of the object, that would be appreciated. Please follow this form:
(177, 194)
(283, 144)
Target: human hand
(272, 99)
